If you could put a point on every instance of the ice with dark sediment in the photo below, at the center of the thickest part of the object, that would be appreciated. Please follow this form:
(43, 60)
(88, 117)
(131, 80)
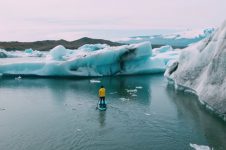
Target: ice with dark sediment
(90, 60)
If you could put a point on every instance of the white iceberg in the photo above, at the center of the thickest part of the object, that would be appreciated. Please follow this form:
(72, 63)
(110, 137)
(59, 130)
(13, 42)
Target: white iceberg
(201, 69)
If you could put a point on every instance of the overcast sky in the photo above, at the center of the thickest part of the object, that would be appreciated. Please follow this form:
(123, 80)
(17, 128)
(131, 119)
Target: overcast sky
(29, 20)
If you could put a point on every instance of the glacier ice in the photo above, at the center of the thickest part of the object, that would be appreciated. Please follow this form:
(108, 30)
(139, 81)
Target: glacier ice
(201, 68)
(25, 53)
(180, 39)
(89, 60)
(93, 47)
(3, 53)
(58, 53)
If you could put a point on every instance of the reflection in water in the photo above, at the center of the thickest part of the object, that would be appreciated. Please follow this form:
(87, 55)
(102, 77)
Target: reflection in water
(102, 118)
(59, 114)
(188, 107)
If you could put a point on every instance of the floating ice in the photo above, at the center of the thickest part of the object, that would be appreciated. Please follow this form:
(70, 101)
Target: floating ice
(124, 99)
(95, 81)
(18, 78)
(147, 114)
(78, 130)
(200, 147)
(131, 90)
(139, 87)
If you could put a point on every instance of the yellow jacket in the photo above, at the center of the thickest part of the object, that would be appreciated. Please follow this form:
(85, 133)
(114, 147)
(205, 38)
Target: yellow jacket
(102, 92)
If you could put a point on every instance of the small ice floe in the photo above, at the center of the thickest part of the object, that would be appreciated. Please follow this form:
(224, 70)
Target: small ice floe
(200, 147)
(139, 87)
(124, 99)
(113, 93)
(147, 114)
(94, 81)
(131, 90)
(78, 130)
(18, 78)
(134, 95)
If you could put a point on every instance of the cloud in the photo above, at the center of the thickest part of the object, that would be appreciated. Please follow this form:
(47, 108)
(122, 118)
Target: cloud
(20, 19)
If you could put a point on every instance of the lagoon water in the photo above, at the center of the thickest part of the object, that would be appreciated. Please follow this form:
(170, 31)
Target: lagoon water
(143, 113)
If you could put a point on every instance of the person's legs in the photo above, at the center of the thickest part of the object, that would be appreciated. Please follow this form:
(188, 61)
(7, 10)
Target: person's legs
(101, 101)
(104, 104)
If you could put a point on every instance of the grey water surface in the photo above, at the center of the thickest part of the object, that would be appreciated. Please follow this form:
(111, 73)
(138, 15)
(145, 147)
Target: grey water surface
(143, 114)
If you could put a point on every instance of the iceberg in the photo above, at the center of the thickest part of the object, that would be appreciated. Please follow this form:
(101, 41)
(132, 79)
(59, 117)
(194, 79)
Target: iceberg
(91, 60)
(177, 40)
(201, 70)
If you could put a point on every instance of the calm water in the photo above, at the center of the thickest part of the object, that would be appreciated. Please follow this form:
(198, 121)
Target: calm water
(60, 114)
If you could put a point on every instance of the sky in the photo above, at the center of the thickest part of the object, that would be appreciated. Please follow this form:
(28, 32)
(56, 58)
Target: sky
(31, 20)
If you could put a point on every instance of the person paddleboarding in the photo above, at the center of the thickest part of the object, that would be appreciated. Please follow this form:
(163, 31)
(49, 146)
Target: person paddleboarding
(102, 94)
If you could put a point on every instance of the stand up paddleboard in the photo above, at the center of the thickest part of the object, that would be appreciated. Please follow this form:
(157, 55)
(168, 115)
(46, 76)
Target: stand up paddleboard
(102, 107)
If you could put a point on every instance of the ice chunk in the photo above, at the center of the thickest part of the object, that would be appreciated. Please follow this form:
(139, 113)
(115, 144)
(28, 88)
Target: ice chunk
(95, 81)
(78, 130)
(139, 87)
(18, 78)
(29, 51)
(131, 90)
(58, 53)
(124, 99)
(200, 147)
(147, 114)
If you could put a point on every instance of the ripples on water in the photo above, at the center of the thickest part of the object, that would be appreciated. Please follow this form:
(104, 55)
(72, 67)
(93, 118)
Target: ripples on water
(60, 114)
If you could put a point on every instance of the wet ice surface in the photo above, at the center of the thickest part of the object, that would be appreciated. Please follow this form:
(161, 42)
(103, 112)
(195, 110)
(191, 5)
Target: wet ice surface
(56, 114)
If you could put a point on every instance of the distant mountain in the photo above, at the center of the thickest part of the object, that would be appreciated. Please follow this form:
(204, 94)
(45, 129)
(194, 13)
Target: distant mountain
(49, 44)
